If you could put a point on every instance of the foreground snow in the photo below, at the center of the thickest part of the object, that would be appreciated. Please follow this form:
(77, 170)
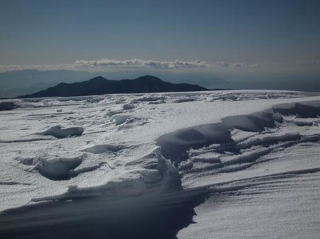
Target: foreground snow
(259, 144)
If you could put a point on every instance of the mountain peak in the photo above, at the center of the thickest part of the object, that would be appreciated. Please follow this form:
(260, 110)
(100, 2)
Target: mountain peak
(148, 77)
(100, 85)
(98, 79)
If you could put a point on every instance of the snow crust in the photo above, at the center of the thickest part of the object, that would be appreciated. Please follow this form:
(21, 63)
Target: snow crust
(116, 146)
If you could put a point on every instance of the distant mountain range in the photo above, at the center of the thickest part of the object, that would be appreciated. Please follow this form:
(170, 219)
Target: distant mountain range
(100, 85)
(25, 82)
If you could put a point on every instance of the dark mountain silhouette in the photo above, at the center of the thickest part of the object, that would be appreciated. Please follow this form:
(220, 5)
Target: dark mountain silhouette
(100, 85)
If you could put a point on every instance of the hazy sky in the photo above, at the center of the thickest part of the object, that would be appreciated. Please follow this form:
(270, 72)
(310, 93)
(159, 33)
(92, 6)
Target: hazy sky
(203, 35)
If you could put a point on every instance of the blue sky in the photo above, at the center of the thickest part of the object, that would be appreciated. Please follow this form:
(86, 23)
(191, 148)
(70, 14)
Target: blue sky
(225, 35)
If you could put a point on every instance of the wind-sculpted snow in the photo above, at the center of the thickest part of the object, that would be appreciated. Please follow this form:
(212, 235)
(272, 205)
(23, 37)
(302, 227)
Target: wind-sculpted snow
(302, 110)
(211, 148)
(105, 148)
(60, 132)
(156, 175)
(174, 145)
(54, 168)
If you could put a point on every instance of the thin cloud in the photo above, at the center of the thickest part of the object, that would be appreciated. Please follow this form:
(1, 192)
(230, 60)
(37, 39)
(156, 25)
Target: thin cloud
(107, 64)
(138, 63)
(235, 65)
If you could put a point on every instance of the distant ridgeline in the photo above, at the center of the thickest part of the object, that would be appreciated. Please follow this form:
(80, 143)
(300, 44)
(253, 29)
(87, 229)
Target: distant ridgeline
(100, 86)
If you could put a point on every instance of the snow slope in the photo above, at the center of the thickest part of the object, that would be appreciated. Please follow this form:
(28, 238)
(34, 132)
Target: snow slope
(244, 147)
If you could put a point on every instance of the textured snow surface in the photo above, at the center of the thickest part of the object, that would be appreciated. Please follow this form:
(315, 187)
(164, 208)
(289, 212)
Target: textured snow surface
(255, 151)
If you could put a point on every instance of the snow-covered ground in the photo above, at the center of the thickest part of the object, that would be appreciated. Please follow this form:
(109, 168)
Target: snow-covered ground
(256, 153)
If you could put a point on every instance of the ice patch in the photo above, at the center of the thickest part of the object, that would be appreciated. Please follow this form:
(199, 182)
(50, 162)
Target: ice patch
(119, 119)
(127, 121)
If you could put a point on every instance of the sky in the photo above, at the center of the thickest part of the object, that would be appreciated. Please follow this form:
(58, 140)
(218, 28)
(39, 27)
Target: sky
(228, 37)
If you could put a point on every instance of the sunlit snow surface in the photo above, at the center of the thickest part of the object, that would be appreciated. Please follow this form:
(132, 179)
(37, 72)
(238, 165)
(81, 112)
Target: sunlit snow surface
(256, 152)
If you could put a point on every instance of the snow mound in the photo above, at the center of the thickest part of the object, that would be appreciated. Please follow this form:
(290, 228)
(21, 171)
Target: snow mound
(54, 167)
(175, 145)
(60, 132)
(128, 106)
(255, 122)
(102, 148)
